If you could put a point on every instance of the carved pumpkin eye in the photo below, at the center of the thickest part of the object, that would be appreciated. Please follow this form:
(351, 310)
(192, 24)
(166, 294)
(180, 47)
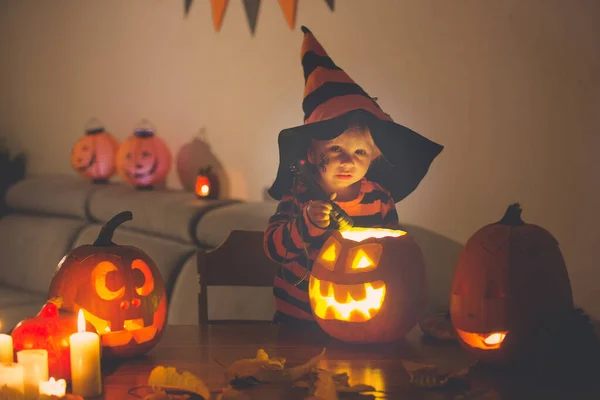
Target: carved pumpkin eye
(128, 156)
(330, 255)
(145, 287)
(364, 258)
(84, 148)
(145, 154)
(108, 289)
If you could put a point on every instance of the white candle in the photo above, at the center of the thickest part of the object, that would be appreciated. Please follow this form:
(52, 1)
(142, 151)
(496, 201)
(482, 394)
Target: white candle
(6, 349)
(86, 379)
(53, 388)
(35, 369)
(11, 375)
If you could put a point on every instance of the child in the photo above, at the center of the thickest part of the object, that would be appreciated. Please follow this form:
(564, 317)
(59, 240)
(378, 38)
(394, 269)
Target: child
(360, 159)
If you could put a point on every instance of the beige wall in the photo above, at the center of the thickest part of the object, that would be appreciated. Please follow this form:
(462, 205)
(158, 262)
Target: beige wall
(510, 87)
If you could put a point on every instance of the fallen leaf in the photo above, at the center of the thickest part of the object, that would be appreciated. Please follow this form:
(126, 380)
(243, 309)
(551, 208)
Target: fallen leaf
(340, 380)
(438, 326)
(162, 377)
(229, 393)
(325, 386)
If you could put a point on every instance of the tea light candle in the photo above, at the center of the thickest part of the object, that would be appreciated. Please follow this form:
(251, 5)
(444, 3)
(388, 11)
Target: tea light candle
(6, 349)
(35, 369)
(53, 388)
(86, 379)
(11, 375)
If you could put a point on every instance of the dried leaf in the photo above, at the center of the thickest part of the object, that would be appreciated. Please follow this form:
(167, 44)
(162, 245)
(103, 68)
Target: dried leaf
(229, 393)
(430, 377)
(341, 381)
(325, 386)
(438, 327)
(168, 377)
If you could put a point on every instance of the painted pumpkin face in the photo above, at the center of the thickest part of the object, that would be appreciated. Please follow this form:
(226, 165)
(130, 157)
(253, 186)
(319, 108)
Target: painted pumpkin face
(509, 276)
(118, 288)
(368, 285)
(144, 159)
(94, 155)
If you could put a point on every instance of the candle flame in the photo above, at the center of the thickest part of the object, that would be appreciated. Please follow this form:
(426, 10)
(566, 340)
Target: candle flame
(80, 321)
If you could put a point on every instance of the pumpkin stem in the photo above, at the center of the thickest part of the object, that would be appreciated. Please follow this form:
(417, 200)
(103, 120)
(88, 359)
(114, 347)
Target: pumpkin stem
(106, 234)
(512, 216)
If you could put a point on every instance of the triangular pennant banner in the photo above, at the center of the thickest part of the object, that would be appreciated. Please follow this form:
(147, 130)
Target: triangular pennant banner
(289, 11)
(331, 4)
(251, 7)
(187, 4)
(218, 12)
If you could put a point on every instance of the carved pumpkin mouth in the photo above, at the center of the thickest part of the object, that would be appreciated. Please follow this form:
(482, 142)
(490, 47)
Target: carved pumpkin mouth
(89, 164)
(352, 303)
(483, 341)
(139, 175)
(133, 329)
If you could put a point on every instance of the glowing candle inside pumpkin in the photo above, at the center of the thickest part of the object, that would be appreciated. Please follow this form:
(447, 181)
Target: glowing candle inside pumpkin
(85, 361)
(6, 348)
(53, 388)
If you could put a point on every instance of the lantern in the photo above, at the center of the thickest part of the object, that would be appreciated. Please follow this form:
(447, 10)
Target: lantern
(144, 159)
(207, 184)
(510, 277)
(49, 330)
(119, 289)
(94, 155)
(368, 285)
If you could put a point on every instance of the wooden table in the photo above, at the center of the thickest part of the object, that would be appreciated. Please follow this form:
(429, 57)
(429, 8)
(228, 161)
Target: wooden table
(195, 349)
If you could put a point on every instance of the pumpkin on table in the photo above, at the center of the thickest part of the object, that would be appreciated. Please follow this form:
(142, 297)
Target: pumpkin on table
(119, 289)
(94, 155)
(368, 285)
(510, 277)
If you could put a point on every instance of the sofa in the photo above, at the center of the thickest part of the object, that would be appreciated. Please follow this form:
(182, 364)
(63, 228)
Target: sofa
(50, 215)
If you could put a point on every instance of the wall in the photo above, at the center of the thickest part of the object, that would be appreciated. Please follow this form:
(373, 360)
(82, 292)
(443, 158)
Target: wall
(510, 87)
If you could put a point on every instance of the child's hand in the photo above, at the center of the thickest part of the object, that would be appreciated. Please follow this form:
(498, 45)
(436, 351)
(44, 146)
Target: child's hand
(318, 212)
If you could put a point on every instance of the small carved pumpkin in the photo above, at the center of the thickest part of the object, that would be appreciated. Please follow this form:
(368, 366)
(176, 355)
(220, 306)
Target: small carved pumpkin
(510, 277)
(144, 159)
(94, 155)
(368, 285)
(207, 183)
(119, 289)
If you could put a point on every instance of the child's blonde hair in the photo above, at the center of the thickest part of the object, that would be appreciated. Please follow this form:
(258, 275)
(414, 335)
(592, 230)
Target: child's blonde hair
(358, 128)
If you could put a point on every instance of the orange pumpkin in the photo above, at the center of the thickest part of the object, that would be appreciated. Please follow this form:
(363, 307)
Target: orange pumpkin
(510, 277)
(94, 155)
(144, 159)
(207, 184)
(368, 285)
(119, 289)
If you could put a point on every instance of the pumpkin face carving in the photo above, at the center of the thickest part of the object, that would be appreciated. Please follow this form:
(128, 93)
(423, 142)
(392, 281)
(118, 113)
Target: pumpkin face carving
(144, 159)
(509, 277)
(118, 288)
(368, 285)
(94, 155)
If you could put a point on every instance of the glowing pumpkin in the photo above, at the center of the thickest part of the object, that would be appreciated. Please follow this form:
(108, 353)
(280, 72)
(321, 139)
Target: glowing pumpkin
(119, 289)
(207, 184)
(510, 277)
(368, 285)
(144, 159)
(94, 155)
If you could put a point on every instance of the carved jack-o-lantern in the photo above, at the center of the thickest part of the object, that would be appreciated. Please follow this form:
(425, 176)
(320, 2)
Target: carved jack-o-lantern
(510, 276)
(94, 155)
(119, 289)
(207, 184)
(368, 285)
(144, 159)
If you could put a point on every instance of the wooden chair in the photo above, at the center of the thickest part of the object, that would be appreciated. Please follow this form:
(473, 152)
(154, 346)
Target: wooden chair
(239, 267)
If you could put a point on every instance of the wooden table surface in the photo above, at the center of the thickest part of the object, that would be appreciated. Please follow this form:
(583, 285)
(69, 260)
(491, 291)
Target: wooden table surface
(196, 350)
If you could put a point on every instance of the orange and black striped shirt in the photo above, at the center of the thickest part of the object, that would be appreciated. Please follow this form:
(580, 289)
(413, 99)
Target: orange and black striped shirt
(373, 207)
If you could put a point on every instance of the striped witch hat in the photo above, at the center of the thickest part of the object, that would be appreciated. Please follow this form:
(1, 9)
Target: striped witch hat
(331, 98)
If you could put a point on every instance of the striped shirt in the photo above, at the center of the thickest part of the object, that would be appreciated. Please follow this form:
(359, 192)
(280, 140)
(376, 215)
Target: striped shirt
(373, 207)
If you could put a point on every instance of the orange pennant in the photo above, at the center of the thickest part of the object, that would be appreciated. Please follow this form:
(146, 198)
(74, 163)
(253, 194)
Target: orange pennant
(218, 12)
(289, 11)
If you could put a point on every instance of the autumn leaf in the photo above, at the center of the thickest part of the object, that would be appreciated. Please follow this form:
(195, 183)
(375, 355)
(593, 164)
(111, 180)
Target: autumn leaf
(162, 377)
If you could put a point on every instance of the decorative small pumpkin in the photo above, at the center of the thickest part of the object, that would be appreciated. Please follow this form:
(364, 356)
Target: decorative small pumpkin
(94, 155)
(119, 289)
(207, 183)
(368, 285)
(144, 159)
(510, 278)
(50, 330)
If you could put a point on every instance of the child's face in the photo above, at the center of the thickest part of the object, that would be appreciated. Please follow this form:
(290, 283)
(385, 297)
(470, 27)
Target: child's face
(342, 161)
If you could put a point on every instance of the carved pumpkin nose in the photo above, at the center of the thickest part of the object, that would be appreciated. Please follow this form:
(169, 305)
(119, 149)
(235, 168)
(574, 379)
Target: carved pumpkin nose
(138, 166)
(79, 160)
(124, 305)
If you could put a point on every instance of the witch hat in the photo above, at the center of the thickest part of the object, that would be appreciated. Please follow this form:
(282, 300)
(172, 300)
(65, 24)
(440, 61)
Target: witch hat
(331, 98)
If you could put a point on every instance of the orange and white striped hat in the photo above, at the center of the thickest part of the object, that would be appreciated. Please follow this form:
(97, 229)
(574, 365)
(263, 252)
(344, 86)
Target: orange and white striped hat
(331, 97)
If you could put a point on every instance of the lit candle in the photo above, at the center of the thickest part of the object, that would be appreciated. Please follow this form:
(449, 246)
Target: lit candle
(35, 369)
(53, 388)
(6, 349)
(11, 378)
(85, 361)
